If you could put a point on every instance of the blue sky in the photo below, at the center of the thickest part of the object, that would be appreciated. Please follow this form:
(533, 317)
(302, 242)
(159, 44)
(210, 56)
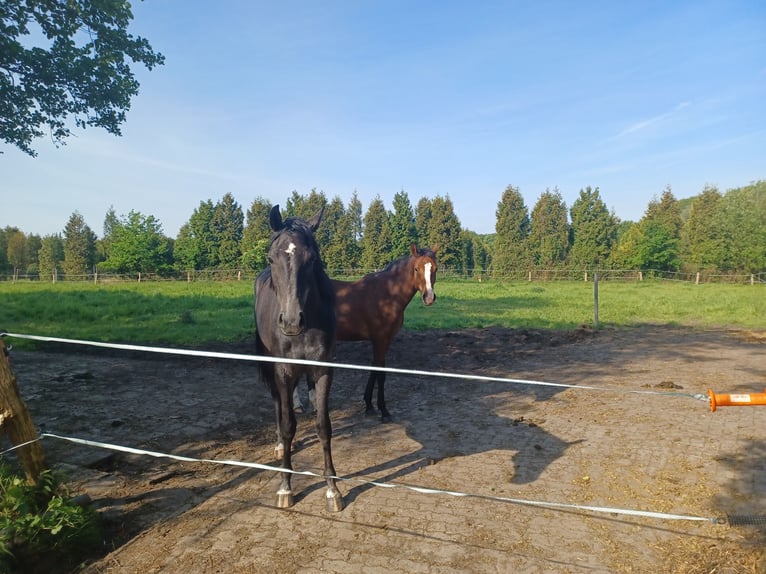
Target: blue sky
(456, 99)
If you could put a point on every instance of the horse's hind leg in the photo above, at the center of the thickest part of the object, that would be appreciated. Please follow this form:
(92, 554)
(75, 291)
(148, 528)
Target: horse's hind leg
(380, 379)
(385, 416)
(310, 405)
(379, 350)
(369, 410)
(324, 431)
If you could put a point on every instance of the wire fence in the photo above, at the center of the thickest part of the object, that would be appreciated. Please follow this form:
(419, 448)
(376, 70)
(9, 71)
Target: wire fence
(530, 275)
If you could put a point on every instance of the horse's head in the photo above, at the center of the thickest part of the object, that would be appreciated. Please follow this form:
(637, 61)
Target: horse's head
(293, 255)
(424, 269)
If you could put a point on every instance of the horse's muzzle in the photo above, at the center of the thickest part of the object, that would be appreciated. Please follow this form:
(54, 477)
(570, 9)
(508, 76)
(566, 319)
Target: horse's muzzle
(291, 327)
(428, 298)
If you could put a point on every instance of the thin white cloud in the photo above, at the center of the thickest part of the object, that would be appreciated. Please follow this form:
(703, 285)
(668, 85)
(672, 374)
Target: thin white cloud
(638, 126)
(114, 151)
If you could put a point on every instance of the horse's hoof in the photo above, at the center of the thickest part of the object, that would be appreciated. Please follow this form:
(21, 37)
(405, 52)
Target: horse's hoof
(370, 412)
(334, 502)
(385, 418)
(285, 499)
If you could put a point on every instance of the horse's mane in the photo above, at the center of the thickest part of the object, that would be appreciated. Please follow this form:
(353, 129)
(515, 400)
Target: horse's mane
(297, 225)
(421, 252)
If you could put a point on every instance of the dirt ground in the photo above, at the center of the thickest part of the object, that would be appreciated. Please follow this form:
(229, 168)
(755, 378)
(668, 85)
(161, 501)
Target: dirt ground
(656, 450)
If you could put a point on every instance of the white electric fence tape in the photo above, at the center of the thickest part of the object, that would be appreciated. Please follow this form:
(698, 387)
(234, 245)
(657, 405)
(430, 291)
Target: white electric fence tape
(267, 359)
(419, 489)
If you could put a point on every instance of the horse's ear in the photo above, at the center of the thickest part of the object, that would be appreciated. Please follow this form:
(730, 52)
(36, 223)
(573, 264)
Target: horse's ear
(275, 219)
(436, 247)
(314, 221)
(413, 249)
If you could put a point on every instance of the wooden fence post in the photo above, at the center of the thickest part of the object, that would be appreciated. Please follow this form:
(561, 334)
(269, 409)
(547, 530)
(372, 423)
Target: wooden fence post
(16, 422)
(595, 299)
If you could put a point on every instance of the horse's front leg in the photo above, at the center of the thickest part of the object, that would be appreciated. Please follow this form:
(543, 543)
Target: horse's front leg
(279, 450)
(286, 425)
(324, 431)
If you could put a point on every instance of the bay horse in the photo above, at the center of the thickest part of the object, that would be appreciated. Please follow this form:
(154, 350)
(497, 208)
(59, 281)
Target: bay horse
(372, 309)
(295, 318)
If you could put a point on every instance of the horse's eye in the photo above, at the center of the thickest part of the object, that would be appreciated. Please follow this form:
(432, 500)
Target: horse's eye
(271, 260)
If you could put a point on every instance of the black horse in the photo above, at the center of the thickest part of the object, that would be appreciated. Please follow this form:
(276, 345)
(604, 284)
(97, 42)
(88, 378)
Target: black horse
(295, 319)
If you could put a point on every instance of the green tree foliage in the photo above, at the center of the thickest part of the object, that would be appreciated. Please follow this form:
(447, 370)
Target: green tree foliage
(50, 256)
(653, 243)
(657, 248)
(423, 215)
(718, 233)
(376, 241)
(80, 69)
(661, 233)
(701, 245)
(195, 246)
(666, 212)
(594, 230)
(444, 230)
(256, 235)
(79, 247)
(4, 233)
(32, 248)
(185, 250)
(16, 251)
(511, 233)
(740, 226)
(305, 206)
(625, 252)
(476, 252)
(333, 222)
(349, 237)
(139, 246)
(227, 225)
(549, 230)
(111, 222)
(403, 231)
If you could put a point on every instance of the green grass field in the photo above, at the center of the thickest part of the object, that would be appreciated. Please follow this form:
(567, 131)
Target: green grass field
(179, 313)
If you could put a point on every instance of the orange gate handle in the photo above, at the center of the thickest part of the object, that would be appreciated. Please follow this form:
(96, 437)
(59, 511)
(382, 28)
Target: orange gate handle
(736, 400)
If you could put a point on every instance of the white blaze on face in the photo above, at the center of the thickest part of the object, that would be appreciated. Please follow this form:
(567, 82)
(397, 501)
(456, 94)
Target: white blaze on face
(427, 271)
(290, 248)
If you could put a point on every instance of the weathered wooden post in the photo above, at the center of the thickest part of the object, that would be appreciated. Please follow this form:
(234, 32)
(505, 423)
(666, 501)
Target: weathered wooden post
(16, 422)
(595, 299)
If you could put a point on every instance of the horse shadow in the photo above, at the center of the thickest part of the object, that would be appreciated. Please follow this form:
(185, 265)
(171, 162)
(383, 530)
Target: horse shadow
(474, 420)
